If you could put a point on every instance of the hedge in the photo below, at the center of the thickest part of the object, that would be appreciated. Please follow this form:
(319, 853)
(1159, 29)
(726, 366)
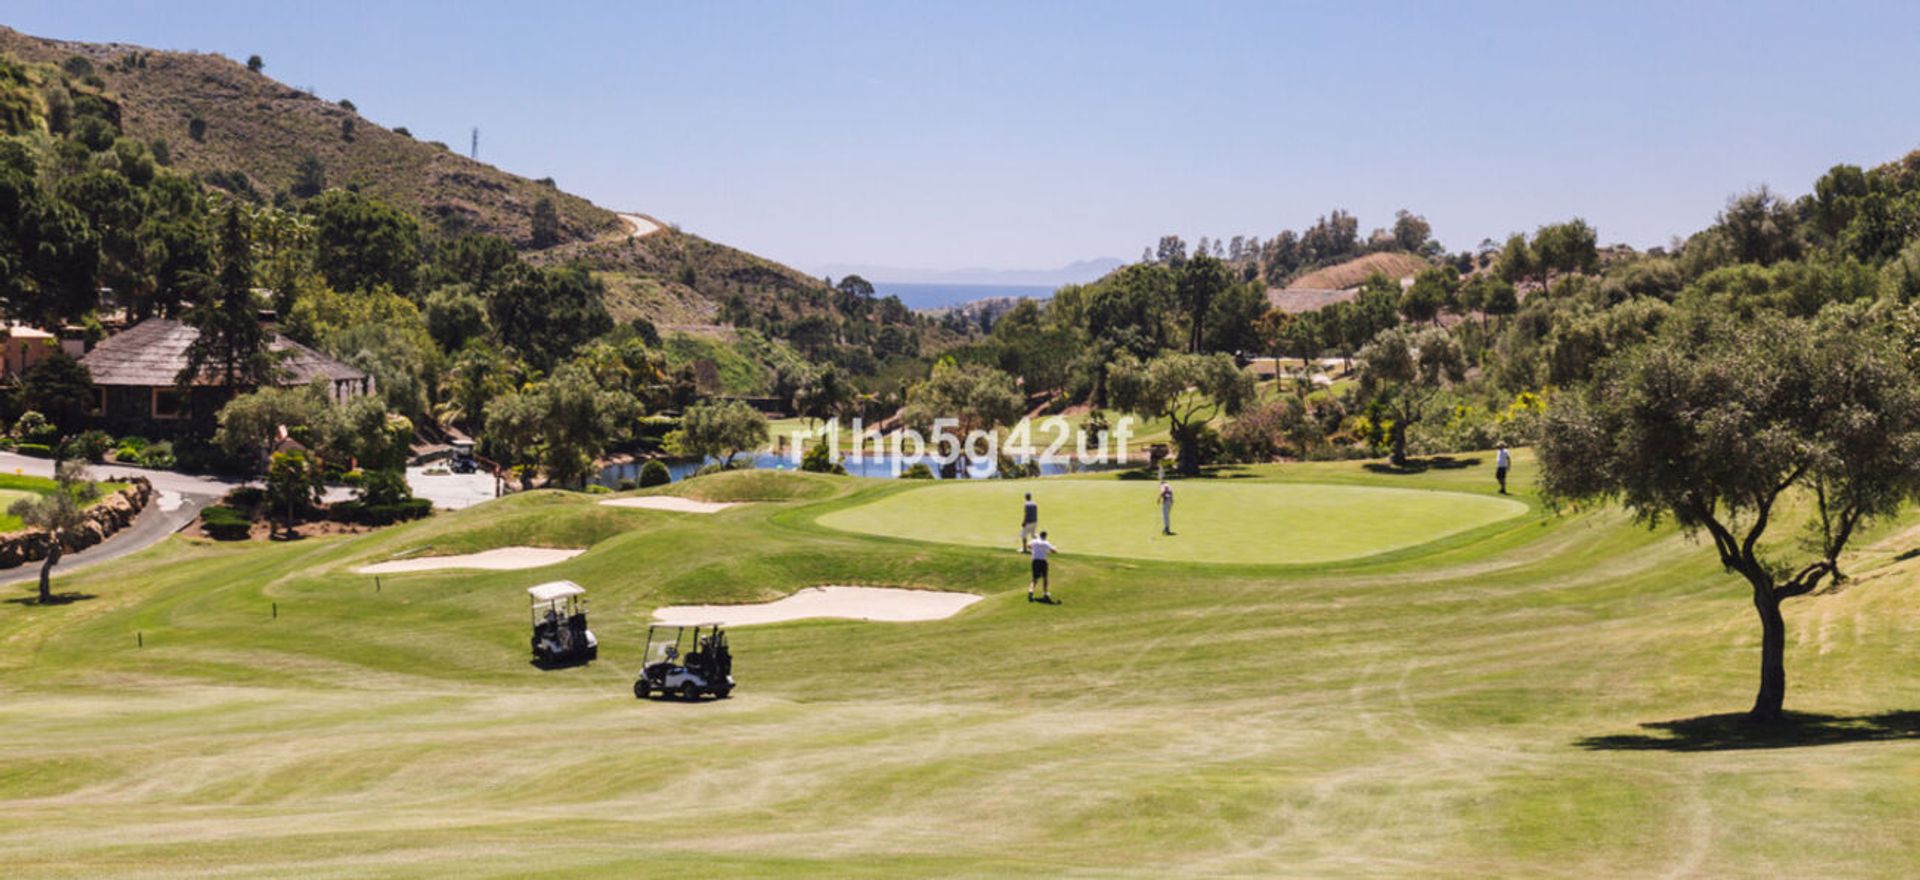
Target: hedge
(382, 514)
(37, 450)
(226, 523)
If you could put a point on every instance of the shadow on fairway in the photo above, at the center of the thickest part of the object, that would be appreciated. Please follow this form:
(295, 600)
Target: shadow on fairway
(1732, 732)
(1422, 465)
(1210, 472)
(55, 599)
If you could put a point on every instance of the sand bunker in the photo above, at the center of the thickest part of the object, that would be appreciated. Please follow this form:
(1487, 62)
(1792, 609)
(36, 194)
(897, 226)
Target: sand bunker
(497, 559)
(670, 502)
(852, 603)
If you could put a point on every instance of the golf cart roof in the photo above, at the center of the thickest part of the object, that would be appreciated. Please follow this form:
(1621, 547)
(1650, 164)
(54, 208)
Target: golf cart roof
(549, 592)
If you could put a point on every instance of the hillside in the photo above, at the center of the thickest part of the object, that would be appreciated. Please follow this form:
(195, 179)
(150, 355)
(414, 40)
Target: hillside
(263, 129)
(675, 278)
(1351, 273)
(242, 132)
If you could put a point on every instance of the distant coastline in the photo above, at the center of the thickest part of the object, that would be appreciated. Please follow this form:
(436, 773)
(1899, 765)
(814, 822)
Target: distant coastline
(944, 296)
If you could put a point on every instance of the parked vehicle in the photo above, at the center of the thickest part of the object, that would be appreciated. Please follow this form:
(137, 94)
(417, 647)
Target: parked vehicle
(685, 661)
(560, 633)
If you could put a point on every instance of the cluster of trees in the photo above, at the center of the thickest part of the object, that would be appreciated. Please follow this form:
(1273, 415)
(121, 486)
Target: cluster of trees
(1332, 238)
(845, 324)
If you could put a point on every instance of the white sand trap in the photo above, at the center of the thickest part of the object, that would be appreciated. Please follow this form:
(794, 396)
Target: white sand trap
(497, 559)
(888, 604)
(671, 502)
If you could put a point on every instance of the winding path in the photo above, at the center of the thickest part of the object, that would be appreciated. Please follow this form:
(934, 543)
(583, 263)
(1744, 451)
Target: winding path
(177, 500)
(643, 225)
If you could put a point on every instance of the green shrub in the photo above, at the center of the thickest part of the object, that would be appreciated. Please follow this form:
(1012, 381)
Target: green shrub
(412, 508)
(158, 456)
(37, 450)
(654, 473)
(597, 489)
(917, 472)
(817, 460)
(226, 523)
(33, 426)
(91, 445)
(245, 498)
(381, 514)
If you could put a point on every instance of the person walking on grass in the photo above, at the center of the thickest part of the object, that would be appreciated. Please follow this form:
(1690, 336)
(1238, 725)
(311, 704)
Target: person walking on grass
(1166, 508)
(1502, 462)
(1029, 520)
(1041, 548)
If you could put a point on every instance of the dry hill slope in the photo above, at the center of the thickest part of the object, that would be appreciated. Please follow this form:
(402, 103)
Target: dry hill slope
(1352, 272)
(263, 129)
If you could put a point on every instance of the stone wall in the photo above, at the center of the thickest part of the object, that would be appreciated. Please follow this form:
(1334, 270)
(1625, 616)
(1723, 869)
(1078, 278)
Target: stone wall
(105, 517)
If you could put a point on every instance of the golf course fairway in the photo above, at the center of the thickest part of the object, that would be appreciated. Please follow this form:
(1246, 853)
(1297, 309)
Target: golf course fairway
(1550, 695)
(1222, 520)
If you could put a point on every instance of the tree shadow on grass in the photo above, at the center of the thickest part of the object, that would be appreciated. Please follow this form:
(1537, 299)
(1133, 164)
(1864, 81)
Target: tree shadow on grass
(1422, 465)
(55, 599)
(1210, 472)
(1733, 732)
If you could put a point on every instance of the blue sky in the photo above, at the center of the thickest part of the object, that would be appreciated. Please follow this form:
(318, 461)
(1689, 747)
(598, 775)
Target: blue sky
(1028, 135)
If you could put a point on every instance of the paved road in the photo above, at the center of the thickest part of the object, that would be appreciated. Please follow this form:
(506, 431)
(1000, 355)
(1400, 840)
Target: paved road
(177, 499)
(451, 491)
(167, 513)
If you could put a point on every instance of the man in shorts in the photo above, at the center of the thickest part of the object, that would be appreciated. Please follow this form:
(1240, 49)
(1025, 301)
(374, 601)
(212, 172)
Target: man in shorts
(1029, 521)
(1041, 548)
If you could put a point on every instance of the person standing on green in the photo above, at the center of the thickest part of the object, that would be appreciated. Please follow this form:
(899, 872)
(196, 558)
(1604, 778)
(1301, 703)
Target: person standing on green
(1166, 508)
(1029, 521)
(1502, 462)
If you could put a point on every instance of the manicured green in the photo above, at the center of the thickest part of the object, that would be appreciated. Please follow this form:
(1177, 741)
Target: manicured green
(1219, 520)
(1493, 704)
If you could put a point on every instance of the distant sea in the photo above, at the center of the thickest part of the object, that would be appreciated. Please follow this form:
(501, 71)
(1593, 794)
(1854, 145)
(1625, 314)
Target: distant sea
(939, 296)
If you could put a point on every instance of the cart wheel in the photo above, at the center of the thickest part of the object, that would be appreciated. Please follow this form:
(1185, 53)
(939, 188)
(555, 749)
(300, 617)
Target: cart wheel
(689, 692)
(642, 690)
(723, 691)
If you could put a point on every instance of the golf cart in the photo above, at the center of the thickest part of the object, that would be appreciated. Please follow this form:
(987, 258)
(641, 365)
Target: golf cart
(560, 634)
(685, 661)
(460, 460)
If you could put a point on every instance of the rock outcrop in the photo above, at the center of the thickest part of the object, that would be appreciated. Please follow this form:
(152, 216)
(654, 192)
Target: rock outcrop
(104, 518)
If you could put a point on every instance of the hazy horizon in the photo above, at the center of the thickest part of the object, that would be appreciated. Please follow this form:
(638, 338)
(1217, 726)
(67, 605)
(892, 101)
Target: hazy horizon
(1010, 136)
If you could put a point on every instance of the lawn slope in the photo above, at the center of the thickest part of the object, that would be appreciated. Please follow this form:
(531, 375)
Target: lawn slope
(1520, 700)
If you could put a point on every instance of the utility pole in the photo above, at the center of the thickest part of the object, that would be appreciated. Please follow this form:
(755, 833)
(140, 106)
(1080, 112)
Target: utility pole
(473, 152)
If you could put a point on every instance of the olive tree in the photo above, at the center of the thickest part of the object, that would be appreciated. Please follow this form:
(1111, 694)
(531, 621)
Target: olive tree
(967, 398)
(1714, 424)
(1188, 390)
(563, 424)
(719, 429)
(1404, 369)
(58, 513)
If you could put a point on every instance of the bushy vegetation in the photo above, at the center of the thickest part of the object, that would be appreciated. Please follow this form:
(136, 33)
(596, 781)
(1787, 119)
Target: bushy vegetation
(226, 523)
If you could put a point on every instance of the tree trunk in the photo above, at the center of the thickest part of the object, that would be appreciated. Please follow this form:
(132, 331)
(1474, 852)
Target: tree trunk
(1398, 433)
(46, 571)
(1187, 450)
(1768, 704)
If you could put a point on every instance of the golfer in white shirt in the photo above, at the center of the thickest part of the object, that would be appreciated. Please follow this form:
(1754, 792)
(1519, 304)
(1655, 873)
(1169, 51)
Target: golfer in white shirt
(1041, 548)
